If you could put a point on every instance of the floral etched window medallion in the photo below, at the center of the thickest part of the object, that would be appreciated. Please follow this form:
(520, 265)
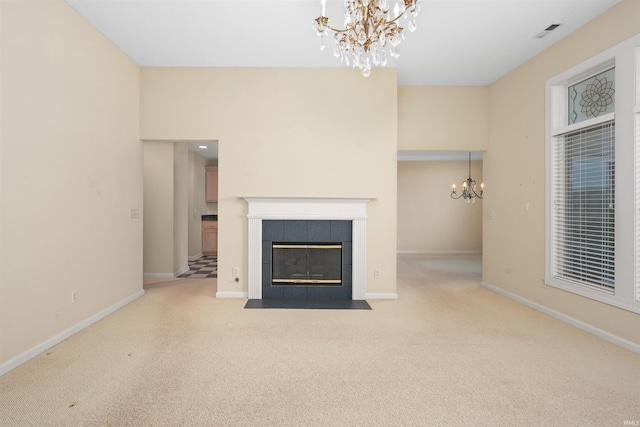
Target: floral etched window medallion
(592, 97)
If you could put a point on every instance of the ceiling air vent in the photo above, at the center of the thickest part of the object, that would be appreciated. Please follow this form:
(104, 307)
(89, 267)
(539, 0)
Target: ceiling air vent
(546, 31)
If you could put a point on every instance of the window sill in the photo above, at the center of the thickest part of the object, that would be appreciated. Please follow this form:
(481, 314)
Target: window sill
(594, 294)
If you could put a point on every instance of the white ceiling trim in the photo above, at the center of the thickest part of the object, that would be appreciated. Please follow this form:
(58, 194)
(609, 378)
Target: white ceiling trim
(439, 156)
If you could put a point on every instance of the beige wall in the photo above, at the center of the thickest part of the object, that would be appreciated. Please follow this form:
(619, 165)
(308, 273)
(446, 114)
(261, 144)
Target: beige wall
(443, 118)
(166, 207)
(429, 221)
(180, 207)
(71, 171)
(197, 204)
(286, 132)
(514, 168)
(158, 209)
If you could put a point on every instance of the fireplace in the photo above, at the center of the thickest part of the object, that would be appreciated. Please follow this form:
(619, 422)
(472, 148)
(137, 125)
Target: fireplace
(306, 264)
(352, 210)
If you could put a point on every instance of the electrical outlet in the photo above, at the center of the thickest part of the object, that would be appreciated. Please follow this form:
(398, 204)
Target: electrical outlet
(74, 296)
(234, 272)
(376, 273)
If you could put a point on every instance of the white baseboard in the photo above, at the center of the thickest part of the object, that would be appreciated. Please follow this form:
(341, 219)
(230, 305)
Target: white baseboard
(232, 294)
(607, 336)
(165, 275)
(181, 271)
(195, 257)
(158, 276)
(35, 351)
(380, 295)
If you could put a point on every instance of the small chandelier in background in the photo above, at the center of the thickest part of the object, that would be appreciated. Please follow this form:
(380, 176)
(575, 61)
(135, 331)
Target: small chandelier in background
(468, 188)
(368, 31)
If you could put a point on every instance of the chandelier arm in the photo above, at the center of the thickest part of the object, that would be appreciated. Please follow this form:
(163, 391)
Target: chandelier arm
(479, 196)
(406, 10)
(387, 28)
(393, 21)
(336, 30)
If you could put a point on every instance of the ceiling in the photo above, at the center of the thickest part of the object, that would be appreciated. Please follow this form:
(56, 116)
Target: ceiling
(457, 43)
(208, 149)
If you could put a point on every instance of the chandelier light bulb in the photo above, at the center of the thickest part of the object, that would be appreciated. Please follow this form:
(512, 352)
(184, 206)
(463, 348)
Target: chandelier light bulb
(368, 31)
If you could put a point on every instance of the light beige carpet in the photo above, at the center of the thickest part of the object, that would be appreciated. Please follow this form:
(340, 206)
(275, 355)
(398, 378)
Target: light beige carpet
(448, 352)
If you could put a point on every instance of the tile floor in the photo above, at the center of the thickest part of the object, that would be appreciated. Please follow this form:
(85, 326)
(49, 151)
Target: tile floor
(202, 268)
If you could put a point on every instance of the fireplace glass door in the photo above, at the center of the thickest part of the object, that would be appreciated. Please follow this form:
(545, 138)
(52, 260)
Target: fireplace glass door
(307, 263)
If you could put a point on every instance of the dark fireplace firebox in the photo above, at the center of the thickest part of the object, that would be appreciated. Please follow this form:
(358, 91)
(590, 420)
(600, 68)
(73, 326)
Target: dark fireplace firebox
(306, 263)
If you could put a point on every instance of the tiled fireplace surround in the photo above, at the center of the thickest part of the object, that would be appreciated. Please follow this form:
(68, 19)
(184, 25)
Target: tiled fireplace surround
(306, 231)
(307, 208)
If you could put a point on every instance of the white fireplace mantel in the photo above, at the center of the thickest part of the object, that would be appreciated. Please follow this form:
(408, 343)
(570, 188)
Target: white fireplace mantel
(308, 208)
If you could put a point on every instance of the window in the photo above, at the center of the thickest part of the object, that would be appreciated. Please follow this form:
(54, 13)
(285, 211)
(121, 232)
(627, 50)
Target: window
(593, 178)
(583, 203)
(592, 97)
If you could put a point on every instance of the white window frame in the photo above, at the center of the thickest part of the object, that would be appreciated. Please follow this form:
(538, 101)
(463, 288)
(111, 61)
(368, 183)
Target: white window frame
(625, 57)
(637, 176)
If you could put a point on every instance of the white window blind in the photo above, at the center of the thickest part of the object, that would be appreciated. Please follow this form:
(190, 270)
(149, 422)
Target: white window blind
(583, 164)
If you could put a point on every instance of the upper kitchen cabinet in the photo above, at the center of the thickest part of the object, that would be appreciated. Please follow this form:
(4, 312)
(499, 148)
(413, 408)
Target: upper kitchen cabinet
(211, 184)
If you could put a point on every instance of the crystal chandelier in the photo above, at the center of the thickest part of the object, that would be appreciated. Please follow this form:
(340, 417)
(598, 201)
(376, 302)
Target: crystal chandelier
(468, 188)
(368, 31)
